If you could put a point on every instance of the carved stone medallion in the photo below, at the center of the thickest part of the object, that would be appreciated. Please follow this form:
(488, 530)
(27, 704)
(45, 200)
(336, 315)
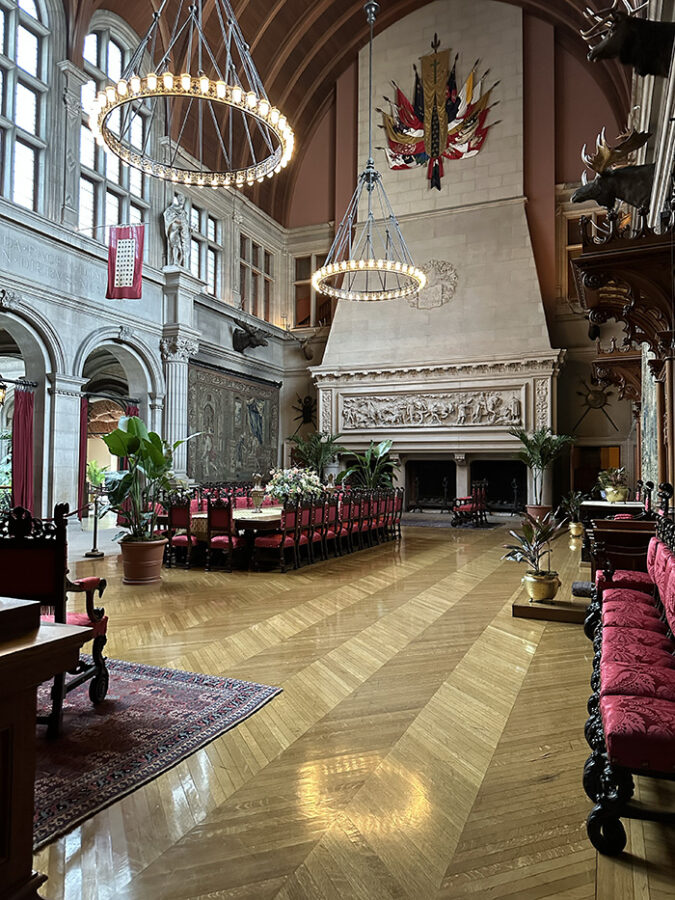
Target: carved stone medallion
(441, 285)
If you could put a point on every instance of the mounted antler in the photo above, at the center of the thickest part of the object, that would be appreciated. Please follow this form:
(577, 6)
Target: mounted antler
(621, 32)
(606, 157)
(599, 21)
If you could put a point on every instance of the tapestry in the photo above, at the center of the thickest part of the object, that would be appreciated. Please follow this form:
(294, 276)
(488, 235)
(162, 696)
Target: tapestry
(239, 423)
(649, 464)
(442, 121)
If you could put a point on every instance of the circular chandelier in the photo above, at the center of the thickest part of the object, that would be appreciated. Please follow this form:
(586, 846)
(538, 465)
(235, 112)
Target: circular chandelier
(369, 261)
(219, 127)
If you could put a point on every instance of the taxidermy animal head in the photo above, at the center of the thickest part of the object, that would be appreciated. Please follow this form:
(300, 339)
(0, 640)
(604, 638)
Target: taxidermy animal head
(614, 180)
(642, 43)
(247, 336)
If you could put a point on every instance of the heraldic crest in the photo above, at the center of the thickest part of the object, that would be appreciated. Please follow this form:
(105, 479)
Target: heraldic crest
(441, 122)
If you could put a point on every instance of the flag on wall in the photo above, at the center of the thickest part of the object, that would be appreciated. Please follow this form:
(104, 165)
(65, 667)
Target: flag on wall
(125, 262)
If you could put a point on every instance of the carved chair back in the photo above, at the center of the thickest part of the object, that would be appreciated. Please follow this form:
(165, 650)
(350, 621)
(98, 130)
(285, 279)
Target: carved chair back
(34, 558)
(179, 511)
(219, 516)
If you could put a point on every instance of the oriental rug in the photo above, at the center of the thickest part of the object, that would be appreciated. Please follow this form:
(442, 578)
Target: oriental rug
(151, 719)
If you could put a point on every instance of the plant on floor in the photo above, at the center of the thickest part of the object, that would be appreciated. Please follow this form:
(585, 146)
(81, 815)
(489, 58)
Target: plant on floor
(570, 505)
(540, 450)
(534, 542)
(317, 450)
(294, 483)
(134, 493)
(373, 469)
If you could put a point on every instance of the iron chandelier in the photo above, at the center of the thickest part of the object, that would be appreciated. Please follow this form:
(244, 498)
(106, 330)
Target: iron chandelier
(220, 128)
(369, 261)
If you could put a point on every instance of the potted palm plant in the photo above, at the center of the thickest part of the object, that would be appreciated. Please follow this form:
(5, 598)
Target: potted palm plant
(318, 451)
(371, 470)
(614, 483)
(533, 544)
(134, 494)
(540, 450)
(570, 507)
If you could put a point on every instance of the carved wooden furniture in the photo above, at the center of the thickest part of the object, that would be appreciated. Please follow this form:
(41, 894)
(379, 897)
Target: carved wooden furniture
(34, 564)
(603, 509)
(30, 653)
(471, 510)
(631, 724)
(221, 534)
(179, 527)
(626, 275)
(286, 538)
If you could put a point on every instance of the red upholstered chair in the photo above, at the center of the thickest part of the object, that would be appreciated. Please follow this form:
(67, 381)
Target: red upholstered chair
(221, 533)
(355, 518)
(398, 511)
(318, 529)
(333, 526)
(179, 515)
(471, 510)
(305, 528)
(34, 565)
(285, 540)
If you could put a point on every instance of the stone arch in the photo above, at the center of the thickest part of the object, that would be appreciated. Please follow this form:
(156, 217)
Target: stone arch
(42, 354)
(142, 367)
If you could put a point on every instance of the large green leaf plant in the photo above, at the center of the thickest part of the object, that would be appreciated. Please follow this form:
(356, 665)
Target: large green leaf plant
(317, 450)
(373, 469)
(134, 492)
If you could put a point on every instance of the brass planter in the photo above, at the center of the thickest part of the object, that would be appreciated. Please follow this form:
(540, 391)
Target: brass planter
(576, 529)
(541, 587)
(616, 495)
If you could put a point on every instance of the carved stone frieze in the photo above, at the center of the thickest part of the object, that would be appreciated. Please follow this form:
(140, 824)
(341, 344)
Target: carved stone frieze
(178, 349)
(541, 403)
(447, 409)
(440, 287)
(326, 413)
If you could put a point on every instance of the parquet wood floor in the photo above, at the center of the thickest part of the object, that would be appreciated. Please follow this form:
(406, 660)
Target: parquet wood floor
(427, 744)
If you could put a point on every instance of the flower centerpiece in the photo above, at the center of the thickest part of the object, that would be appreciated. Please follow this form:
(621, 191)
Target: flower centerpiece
(293, 483)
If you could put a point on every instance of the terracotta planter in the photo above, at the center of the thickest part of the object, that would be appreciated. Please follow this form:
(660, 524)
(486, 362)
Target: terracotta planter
(616, 495)
(541, 587)
(142, 561)
(576, 529)
(538, 512)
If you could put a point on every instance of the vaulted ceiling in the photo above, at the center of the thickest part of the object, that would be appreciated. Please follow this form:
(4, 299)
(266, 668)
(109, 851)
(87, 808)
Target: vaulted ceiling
(301, 47)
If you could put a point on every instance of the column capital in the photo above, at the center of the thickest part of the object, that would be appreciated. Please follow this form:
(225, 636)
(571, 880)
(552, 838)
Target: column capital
(179, 346)
(66, 385)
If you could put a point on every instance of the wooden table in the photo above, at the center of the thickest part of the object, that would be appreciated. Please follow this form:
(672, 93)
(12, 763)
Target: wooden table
(30, 653)
(247, 520)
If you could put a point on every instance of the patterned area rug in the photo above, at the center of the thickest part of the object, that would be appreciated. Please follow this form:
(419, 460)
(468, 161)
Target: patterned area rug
(151, 719)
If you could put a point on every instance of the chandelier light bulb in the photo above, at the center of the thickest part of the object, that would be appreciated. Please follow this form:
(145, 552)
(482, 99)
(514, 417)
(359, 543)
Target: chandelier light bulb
(151, 82)
(135, 84)
(204, 84)
(167, 81)
(236, 94)
(186, 81)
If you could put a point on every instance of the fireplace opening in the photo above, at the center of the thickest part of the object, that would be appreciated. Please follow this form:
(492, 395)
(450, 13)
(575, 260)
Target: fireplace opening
(506, 483)
(431, 484)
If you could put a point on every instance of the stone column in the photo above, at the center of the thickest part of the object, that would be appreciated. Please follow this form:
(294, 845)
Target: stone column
(463, 487)
(73, 79)
(66, 392)
(155, 411)
(176, 349)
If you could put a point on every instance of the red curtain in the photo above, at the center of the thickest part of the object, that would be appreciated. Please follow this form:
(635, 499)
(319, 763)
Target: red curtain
(132, 410)
(22, 449)
(82, 470)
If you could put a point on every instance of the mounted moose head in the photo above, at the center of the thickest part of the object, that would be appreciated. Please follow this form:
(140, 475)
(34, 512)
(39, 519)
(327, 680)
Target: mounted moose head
(247, 336)
(614, 179)
(642, 43)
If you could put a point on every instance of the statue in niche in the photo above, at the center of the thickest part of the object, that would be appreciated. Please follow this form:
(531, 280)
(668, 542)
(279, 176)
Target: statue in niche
(177, 228)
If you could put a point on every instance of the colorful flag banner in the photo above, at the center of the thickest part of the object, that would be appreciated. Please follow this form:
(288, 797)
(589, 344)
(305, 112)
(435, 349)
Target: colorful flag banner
(125, 262)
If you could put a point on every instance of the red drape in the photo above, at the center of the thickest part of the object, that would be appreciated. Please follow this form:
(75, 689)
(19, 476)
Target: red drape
(82, 470)
(132, 410)
(22, 449)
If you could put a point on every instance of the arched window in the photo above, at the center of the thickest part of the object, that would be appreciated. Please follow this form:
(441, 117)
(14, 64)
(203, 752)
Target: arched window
(111, 193)
(24, 38)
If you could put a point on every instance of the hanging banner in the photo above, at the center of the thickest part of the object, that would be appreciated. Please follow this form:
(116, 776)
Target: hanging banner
(125, 262)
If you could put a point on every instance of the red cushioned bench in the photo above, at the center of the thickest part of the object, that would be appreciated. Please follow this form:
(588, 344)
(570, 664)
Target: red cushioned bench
(631, 724)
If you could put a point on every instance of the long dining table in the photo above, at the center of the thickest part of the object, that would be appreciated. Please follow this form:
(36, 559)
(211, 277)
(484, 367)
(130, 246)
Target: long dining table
(268, 518)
